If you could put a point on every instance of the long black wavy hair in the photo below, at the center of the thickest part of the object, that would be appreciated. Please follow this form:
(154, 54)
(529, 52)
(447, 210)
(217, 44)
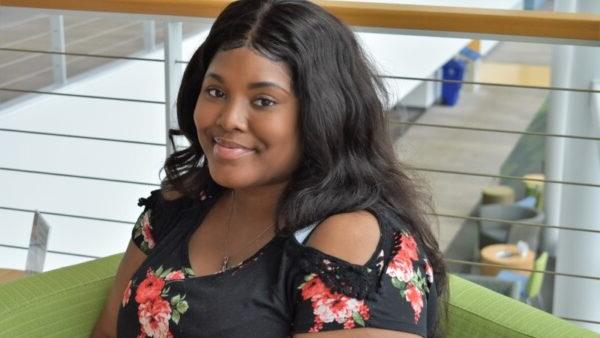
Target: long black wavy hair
(348, 162)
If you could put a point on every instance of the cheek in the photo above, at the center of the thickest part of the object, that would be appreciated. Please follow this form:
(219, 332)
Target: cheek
(200, 115)
(203, 119)
(282, 145)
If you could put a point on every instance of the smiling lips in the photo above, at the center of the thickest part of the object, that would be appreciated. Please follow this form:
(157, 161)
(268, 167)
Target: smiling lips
(229, 150)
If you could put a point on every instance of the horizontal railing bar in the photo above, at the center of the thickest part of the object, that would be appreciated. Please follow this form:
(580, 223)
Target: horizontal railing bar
(446, 126)
(495, 84)
(68, 215)
(49, 251)
(81, 137)
(498, 220)
(517, 23)
(504, 177)
(37, 51)
(458, 261)
(80, 95)
(78, 176)
(580, 320)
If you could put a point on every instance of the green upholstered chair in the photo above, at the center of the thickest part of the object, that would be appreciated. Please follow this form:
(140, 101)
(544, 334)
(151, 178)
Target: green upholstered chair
(66, 303)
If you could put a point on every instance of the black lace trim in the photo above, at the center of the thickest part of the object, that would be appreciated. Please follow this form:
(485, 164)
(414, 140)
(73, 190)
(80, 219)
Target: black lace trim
(145, 202)
(352, 280)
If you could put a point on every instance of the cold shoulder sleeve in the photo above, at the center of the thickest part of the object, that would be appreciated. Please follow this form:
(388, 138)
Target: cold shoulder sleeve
(394, 290)
(157, 219)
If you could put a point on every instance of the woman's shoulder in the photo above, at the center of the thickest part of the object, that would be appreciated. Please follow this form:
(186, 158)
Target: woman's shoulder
(350, 248)
(351, 236)
(355, 235)
(371, 261)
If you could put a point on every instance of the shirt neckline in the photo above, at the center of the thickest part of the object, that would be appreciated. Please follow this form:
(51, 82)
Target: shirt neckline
(185, 254)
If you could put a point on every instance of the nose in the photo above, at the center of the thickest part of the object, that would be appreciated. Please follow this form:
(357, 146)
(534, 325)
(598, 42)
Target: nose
(233, 116)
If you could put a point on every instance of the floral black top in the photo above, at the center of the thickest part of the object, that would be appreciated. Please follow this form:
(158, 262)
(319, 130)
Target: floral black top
(283, 289)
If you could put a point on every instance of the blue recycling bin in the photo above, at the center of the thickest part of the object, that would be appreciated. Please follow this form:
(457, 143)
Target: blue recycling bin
(453, 70)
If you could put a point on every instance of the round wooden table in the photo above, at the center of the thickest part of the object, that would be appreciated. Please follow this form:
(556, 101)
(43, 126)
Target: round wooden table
(507, 256)
(7, 275)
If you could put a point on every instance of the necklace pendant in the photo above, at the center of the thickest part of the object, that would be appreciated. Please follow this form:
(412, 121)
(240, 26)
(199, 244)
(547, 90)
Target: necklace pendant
(225, 264)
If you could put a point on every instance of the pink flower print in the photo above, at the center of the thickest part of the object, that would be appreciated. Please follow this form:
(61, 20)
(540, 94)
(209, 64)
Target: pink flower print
(401, 267)
(149, 289)
(147, 231)
(415, 298)
(329, 307)
(409, 246)
(126, 294)
(175, 275)
(317, 326)
(322, 310)
(363, 310)
(154, 318)
(405, 277)
(154, 311)
(314, 288)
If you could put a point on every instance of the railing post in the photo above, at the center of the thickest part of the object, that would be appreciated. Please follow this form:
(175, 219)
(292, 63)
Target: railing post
(57, 41)
(556, 123)
(173, 72)
(149, 35)
(577, 252)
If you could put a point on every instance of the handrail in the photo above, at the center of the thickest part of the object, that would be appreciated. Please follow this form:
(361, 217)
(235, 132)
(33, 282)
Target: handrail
(470, 20)
(552, 25)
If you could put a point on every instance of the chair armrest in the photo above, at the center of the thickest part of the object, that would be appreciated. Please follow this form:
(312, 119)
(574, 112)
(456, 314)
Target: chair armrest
(60, 303)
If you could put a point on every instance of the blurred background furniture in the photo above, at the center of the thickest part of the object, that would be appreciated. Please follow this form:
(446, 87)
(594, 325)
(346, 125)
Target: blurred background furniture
(505, 255)
(529, 287)
(7, 275)
(508, 288)
(497, 202)
(36, 253)
(494, 194)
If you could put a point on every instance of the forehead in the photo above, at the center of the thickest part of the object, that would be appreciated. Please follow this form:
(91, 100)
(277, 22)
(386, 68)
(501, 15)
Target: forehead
(246, 65)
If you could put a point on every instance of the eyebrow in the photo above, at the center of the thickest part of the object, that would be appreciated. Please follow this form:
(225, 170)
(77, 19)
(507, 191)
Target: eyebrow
(254, 85)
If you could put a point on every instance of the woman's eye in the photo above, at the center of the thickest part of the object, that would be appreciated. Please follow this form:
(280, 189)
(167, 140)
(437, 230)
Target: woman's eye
(215, 92)
(264, 102)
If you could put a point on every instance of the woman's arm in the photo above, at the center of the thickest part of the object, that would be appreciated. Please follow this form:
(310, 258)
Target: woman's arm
(106, 327)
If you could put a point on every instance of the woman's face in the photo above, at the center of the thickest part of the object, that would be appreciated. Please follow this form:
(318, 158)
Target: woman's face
(247, 120)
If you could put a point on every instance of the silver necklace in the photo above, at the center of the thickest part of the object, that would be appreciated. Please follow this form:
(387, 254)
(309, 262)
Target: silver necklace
(225, 264)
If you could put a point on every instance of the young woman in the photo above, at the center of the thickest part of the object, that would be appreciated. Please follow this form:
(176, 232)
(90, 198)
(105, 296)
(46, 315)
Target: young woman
(288, 215)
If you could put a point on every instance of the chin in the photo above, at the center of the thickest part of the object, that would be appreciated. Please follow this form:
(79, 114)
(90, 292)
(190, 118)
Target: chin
(231, 179)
